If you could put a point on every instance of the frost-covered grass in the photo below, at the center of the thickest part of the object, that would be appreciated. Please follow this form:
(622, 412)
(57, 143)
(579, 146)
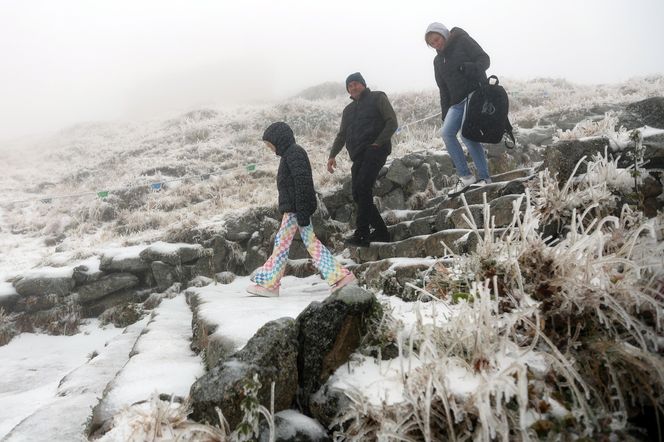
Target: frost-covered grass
(535, 339)
(126, 157)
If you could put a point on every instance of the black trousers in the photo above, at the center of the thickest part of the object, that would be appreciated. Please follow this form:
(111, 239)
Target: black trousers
(364, 173)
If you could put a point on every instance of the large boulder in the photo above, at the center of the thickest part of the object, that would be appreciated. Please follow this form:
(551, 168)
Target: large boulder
(227, 255)
(476, 215)
(421, 178)
(8, 296)
(174, 254)
(329, 332)
(45, 281)
(240, 227)
(121, 297)
(165, 275)
(106, 285)
(502, 209)
(124, 260)
(394, 200)
(648, 112)
(271, 354)
(86, 273)
(399, 173)
(562, 157)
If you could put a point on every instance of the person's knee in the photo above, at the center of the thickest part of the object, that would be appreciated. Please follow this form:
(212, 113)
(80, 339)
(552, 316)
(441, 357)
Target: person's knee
(449, 134)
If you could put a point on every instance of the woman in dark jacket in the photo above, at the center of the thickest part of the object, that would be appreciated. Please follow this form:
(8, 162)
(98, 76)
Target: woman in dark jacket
(460, 65)
(297, 202)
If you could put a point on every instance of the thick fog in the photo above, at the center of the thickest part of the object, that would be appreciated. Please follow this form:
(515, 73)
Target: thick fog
(79, 60)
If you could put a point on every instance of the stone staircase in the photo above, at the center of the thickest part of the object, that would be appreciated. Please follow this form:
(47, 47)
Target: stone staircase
(440, 228)
(77, 393)
(437, 230)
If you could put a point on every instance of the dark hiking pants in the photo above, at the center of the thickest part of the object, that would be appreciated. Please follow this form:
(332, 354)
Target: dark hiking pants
(364, 173)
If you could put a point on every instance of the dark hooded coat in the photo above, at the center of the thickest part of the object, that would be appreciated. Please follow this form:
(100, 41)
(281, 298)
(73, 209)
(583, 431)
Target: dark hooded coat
(294, 179)
(459, 68)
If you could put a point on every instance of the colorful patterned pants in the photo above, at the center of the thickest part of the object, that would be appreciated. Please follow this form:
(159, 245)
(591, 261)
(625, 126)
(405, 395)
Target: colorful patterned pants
(269, 275)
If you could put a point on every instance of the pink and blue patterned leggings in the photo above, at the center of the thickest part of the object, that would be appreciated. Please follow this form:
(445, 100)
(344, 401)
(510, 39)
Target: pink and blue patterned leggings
(269, 275)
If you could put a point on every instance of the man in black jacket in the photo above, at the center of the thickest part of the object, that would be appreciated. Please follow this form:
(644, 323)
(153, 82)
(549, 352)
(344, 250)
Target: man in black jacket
(367, 126)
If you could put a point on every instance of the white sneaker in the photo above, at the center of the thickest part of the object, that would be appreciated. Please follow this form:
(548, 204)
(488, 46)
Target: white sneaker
(343, 282)
(481, 183)
(259, 290)
(462, 184)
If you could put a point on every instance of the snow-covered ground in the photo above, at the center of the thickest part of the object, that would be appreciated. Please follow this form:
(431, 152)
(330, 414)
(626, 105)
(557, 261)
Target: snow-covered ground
(33, 366)
(45, 377)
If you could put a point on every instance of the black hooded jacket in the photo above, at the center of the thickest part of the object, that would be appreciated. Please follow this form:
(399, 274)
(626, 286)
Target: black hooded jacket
(459, 68)
(294, 180)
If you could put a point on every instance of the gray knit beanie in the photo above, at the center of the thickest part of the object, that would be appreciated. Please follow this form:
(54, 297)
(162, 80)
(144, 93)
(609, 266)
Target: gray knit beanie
(438, 28)
(356, 76)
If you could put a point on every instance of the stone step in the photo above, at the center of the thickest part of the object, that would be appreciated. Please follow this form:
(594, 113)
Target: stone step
(501, 211)
(392, 275)
(508, 183)
(64, 418)
(458, 240)
(161, 361)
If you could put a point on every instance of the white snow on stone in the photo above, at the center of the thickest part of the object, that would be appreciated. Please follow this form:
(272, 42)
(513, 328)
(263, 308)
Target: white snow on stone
(166, 248)
(299, 422)
(121, 253)
(33, 365)
(77, 393)
(7, 289)
(239, 315)
(163, 362)
(50, 272)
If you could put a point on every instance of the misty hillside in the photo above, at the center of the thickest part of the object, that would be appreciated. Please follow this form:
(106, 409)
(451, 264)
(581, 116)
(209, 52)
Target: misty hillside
(125, 158)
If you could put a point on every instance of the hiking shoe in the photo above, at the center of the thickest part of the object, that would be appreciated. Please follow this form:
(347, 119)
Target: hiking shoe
(462, 185)
(481, 183)
(379, 237)
(259, 290)
(357, 241)
(343, 282)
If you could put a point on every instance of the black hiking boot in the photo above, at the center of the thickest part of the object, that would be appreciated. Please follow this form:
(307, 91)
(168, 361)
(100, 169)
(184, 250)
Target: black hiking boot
(379, 236)
(357, 241)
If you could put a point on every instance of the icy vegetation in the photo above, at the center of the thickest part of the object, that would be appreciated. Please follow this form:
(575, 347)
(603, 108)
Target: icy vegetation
(549, 329)
(198, 160)
(548, 338)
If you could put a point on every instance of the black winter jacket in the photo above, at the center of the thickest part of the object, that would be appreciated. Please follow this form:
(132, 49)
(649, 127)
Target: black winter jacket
(459, 68)
(368, 120)
(294, 180)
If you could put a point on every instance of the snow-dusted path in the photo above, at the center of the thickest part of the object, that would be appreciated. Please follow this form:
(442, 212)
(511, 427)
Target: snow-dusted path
(162, 360)
(238, 315)
(52, 386)
(32, 366)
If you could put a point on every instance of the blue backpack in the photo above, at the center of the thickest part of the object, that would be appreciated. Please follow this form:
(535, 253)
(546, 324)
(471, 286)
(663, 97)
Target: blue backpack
(485, 119)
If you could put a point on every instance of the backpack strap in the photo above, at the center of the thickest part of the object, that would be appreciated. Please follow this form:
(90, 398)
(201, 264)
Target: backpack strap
(511, 142)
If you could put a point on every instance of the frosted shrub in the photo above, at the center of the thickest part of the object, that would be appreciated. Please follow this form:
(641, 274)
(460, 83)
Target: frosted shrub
(589, 128)
(556, 204)
(157, 420)
(469, 379)
(554, 340)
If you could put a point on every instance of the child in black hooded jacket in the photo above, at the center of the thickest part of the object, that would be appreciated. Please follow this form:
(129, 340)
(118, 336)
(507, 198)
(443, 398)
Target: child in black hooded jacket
(297, 202)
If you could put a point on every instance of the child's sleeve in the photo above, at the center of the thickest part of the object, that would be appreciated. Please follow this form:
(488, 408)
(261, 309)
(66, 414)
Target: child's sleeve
(304, 186)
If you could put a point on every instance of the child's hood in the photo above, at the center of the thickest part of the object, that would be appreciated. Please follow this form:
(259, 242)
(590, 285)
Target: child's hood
(280, 135)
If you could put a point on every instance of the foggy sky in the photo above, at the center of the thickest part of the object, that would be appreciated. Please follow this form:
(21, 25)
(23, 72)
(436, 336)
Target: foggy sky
(70, 61)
